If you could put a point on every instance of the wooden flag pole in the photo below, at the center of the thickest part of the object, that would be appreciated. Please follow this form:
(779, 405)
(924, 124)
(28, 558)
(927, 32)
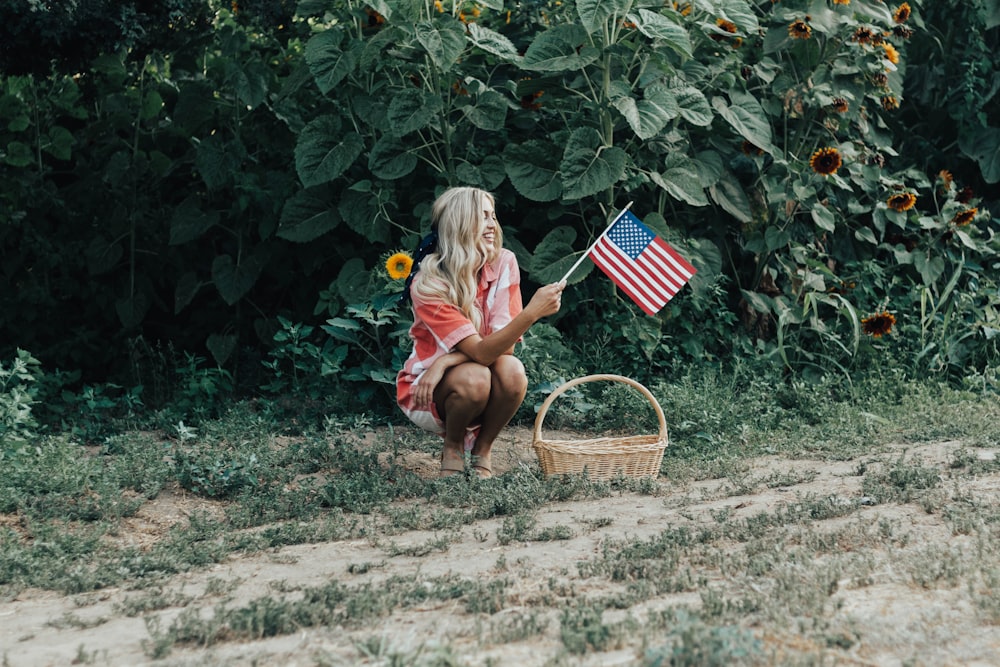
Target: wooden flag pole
(592, 245)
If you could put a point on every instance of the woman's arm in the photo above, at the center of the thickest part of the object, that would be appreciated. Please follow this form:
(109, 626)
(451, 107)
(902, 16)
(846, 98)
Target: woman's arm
(546, 301)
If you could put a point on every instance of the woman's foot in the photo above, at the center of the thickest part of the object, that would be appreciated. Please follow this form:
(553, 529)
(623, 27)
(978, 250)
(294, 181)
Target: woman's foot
(452, 462)
(482, 465)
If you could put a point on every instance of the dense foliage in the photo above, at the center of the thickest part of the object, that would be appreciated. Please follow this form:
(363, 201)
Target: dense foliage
(226, 181)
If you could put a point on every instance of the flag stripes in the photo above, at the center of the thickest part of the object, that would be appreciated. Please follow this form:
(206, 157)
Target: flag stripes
(643, 265)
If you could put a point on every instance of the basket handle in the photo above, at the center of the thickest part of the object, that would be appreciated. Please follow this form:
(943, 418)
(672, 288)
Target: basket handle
(593, 378)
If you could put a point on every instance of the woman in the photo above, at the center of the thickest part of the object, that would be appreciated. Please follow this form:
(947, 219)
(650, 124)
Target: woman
(462, 380)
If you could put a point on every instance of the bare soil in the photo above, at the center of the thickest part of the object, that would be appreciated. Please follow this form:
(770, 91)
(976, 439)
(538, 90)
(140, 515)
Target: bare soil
(888, 619)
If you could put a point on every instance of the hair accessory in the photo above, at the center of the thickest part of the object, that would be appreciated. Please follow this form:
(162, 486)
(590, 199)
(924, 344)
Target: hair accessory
(428, 244)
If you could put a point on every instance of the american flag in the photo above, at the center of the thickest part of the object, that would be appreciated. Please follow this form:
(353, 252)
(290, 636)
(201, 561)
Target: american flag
(642, 264)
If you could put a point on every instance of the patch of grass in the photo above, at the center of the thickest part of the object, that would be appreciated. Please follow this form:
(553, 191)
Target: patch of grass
(901, 482)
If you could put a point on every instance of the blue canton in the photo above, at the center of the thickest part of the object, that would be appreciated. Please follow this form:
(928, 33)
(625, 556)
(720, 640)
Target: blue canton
(631, 235)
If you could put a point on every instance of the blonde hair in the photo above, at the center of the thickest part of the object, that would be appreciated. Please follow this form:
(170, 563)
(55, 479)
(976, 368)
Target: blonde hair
(451, 272)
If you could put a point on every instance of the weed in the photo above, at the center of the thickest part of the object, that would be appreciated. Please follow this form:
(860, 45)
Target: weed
(582, 629)
(693, 643)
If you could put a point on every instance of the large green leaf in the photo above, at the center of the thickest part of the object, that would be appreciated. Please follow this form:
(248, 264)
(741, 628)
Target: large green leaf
(323, 152)
(19, 154)
(389, 159)
(983, 146)
(493, 42)
(360, 211)
(693, 106)
(727, 193)
(329, 63)
(594, 13)
(554, 256)
(411, 109)
(59, 142)
(249, 81)
(747, 117)
(185, 290)
(487, 110)
(563, 47)
(681, 179)
(234, 280)
(588, 167)
(352, 281)
(740, 13)
(533, 170)
(218, 160)
(664, 31)
(189, 221)
(444, 40)
(650, 114)
(307, 216)
(132, 310)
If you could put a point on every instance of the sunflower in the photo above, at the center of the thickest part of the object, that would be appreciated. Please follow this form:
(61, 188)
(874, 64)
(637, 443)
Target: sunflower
(750, 149)
(901, 201)
(890, 103)
(863, 35)
(902, 32)
(840, 105)
(878, 324)
(902, 13)
(399, 265)
(800, 30)
(965, 217)
(841, 2)
(826, 161)
(683, 7)
(946, 178)
(891, 54)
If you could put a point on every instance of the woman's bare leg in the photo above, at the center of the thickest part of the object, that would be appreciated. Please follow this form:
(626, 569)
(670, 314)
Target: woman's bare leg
(461, 397)
(508, 386)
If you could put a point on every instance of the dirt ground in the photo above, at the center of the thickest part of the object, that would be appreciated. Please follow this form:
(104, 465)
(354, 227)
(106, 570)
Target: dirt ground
(897, 622)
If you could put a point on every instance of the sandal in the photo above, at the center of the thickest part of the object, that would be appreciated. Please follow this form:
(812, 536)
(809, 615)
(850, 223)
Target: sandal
(482, 465)
(453, 465)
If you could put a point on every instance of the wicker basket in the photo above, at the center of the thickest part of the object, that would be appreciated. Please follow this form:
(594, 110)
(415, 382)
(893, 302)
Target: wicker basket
(606, 457)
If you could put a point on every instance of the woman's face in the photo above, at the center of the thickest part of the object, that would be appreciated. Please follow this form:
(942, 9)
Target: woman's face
(489, 223)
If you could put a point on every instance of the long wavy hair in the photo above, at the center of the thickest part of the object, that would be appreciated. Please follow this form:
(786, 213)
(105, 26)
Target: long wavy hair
(451, 273)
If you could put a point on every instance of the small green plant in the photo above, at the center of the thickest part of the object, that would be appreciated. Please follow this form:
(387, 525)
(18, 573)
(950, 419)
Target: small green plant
(693, 643)
(17, 395)
(300, 366)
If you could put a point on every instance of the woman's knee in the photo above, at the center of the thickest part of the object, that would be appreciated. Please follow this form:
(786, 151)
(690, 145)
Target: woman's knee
(472, 382)
(509, 376)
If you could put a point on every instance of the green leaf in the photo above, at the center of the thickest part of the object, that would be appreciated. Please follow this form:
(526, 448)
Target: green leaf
(554, 256)
(650, 114)
(152, 102)
(488, 110)
(60, 143)
(443, 39)
(329, 63)
(666, 32)
(824, 218)
(132, 310)
(411, 109)
(102, 255)
(983, 146)
(218, 161)
(343, 329)
(776, 238)
(595, 13)
(389, 159)
(865, 234)
(353, 279)
(189, 221)
(307, 216)
(693, 106)
(930, 268)
(563, 47)
(588, 167)
(221, 347)
(233, 280)
(493, 42)
(533, 170)
(681, 179)
(249, 82)
(747, 117)
(323, 152)
(361, 213)
(741, 13)
(728, 193)
(18, 154)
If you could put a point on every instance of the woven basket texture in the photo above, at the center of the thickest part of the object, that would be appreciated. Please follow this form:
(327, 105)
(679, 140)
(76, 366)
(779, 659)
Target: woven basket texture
(604, 457)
